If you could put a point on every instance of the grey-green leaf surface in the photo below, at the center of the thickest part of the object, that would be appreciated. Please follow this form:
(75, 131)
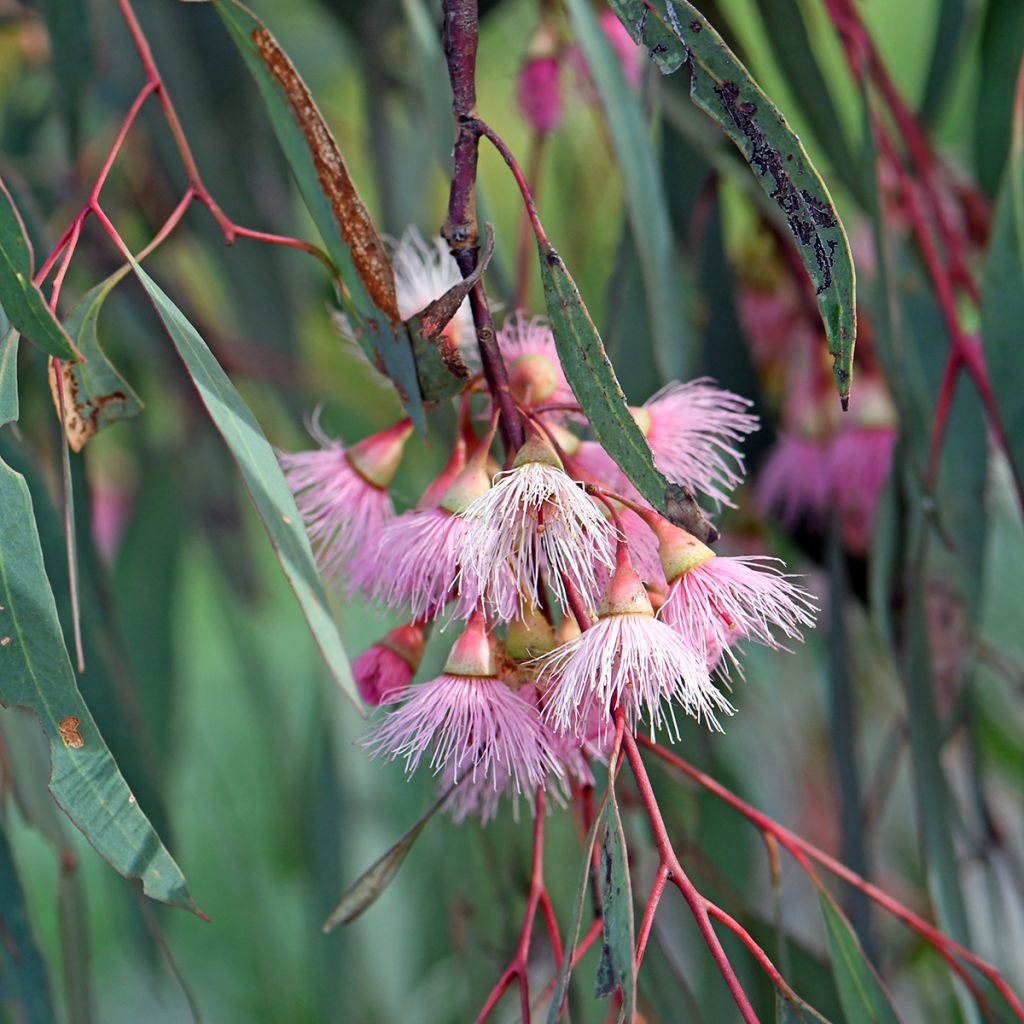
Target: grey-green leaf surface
(644, 191)
(675, 31)
(617, 966)
(378, 876)
(67, 22)
(1002, 306)
(593, 381)
(24, 984)
(863, 998)
(22, 300)
(8, 370)
(330, 195)
(98, 395)
(796, 1011)
(263, 479)
(36, 673)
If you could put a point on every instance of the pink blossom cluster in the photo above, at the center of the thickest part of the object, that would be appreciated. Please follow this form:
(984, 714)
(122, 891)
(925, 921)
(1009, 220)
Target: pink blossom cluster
(547, 572)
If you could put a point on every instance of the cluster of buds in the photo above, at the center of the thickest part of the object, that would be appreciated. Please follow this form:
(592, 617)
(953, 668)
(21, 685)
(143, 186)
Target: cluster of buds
(549, 573)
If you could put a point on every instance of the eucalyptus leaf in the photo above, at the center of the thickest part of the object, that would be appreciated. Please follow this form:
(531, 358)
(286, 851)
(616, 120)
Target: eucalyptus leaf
(674, 32)
(333, 202)
(375, 879)
(24, 984)
(864, 999)
(644, 190)
(95, 393)
(22, 300)
(263, 478)
(8, 371)
(593, 381)
(37, 674)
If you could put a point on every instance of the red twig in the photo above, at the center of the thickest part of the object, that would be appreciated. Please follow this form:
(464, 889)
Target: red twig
(801, 850)
(518, 968)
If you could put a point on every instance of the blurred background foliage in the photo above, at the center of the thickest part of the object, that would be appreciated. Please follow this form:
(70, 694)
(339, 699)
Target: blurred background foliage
(202, 675)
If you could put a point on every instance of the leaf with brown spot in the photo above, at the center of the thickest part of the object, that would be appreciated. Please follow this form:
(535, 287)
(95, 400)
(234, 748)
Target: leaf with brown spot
(333, 202)
(674, 32)
(68, 730)
(95, 393)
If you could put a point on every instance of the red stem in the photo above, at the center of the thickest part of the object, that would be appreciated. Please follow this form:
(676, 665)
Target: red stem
(801, 849)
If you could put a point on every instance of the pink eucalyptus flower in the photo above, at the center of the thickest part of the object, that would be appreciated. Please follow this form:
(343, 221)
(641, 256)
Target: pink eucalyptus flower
(859, 462)
(536, 518)
(341, 493)
(714, 600)
(540, 94)
(627, 658)
(535, 372)
(693, 430)
(591, 462)
(794, 481)
(384, 670)
(468, 722)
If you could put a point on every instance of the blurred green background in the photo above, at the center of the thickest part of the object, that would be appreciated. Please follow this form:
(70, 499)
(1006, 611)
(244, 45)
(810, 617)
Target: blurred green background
(201, 672)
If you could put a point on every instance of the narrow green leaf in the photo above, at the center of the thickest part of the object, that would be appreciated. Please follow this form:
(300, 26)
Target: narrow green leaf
(67, 22)
(24, 984)
(596, 388)
(572, 936)
(333, 202)
(1002, 299)
(263, 479)
(95, 393)
(861, 993)
(644, 191)
(8, 371)
(951, 38)
(1001, 47)
(375, 879)
(35, 673)
(796, 1011)
(675, 31)
(22, 300)
(617, 966)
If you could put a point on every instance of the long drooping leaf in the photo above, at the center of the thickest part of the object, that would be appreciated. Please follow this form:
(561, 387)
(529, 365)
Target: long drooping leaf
(1002, 305)
(23, 981)
(377, 877)
(37, 674)
(617, 966)
(95, 394)
(951, 38)
(263, 479)
(674, 32)
(331, 197)
(644, 191)
(68, 24)
(864, 999)
(595, 386)
(22, 300)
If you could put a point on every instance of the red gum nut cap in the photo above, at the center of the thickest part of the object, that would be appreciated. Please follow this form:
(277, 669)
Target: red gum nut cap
(405, 641)
(680, 551)
(376, 458)
(625, 594)
(473, 654)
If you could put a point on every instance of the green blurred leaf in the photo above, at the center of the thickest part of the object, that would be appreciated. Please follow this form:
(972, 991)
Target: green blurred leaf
(787, 32)
(864, 999)
(1002, 300)
(1002, 44)
(24, 985)
(22, 300)
(723, 88)
(375, 879)
(67, 22)
(644, 192)
(330, 195)
(617, 966)
(951, 36)
(95, 393)
(796, 1012)
(37, 674)
(8, 371)
(263, 479)
(596, 388)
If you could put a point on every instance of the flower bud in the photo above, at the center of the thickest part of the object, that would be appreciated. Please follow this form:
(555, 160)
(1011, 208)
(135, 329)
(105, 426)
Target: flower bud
(387, 668)
(376, 458)
(473, 654)
(539, 92)
(530, 635)
(537, 448)
(680, 551)
(625, 593)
